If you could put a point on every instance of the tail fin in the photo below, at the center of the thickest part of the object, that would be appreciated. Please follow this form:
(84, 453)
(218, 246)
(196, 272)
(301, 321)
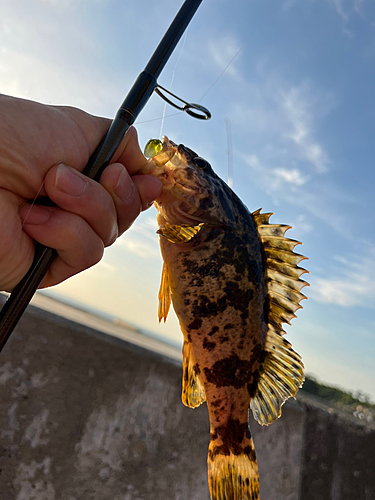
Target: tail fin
(233, 477)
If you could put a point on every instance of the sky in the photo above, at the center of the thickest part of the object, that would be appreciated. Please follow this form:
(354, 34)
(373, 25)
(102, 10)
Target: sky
(299, 99)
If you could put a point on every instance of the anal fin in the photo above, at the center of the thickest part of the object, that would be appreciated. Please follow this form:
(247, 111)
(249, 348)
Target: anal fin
(193, 393)
(164, 294)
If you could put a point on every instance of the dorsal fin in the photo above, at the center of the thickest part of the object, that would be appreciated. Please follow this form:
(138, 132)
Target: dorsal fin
(281, 374)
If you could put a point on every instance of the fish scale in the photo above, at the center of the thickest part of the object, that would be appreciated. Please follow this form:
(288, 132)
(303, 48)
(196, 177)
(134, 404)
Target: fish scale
(233, 280)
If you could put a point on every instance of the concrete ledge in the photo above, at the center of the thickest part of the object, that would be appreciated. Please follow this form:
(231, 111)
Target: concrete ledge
(87, 416)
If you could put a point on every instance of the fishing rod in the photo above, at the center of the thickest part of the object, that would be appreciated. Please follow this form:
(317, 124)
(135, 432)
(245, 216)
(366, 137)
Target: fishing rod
(138, 96)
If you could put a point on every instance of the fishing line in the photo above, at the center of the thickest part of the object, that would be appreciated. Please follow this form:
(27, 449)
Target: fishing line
(208, 90)
(171, 84)
(32, 204)
(157, 119)
(230, 62)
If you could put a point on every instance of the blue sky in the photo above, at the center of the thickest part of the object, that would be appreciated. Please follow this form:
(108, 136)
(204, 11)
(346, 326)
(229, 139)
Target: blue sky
(300, 100)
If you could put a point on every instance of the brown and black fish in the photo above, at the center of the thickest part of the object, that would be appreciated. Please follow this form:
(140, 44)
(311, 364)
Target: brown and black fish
(233, 280)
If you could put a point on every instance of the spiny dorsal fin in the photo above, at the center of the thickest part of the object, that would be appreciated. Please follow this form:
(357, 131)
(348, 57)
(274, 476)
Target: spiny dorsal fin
(282, 370)
(261, 219)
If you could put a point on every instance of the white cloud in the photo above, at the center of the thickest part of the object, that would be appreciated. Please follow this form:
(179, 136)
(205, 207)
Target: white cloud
(323, 200)
(348, 10)
(106, 266)
(140, 248)
(282, 147)
(340, 292)
(288, 4)
(358, 6)
(291, 176)
(27, 76)
(146, 225)
(50, 54)
(302, 225)
(283, 119)
(354, 284)
(141, 239)
(276, 180)
(326, 202)
(222, 51)
(254, 162)
(298, 103)
(339, 7)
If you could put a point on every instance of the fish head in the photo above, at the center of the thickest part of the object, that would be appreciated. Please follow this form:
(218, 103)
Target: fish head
(192, 193)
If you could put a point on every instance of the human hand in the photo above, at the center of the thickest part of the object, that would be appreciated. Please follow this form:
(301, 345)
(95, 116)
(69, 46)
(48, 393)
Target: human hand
(42, 151)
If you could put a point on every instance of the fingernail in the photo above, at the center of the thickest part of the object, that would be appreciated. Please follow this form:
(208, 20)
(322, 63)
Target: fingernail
(125, 187)
(34, 215)
(68, 181)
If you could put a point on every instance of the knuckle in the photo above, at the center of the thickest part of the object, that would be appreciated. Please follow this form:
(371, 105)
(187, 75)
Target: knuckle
(95, 255)
(112, 236)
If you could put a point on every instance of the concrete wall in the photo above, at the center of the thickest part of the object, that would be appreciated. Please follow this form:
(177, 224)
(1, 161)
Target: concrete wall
(84, 416)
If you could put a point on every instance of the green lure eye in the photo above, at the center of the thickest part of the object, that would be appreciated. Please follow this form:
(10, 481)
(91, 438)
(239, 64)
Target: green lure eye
(153, 148)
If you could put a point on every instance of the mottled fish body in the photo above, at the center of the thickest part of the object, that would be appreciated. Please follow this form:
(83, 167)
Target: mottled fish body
(233, 280)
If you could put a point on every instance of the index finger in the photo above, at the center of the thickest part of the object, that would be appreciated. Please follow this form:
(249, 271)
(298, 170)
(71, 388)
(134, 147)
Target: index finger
(129, 153)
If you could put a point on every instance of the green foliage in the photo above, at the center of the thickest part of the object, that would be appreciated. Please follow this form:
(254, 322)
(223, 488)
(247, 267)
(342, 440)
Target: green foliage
(336, 396)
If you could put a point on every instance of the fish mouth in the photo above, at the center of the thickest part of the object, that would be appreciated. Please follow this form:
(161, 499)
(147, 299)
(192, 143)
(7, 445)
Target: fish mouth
(178, 156)
(179, 201)
(185, 189)
(170, 164)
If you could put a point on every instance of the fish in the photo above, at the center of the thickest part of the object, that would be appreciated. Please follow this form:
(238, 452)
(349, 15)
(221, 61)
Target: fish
(233, 279)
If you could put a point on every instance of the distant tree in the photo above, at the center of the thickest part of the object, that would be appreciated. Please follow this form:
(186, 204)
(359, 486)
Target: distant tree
(310, 385)
(335, 395)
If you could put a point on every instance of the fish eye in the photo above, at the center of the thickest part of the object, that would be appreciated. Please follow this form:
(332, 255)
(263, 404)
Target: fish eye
(202, 163)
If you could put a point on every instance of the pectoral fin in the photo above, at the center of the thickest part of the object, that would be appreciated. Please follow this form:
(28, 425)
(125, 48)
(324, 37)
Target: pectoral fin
(179, 234)
(164, 294)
